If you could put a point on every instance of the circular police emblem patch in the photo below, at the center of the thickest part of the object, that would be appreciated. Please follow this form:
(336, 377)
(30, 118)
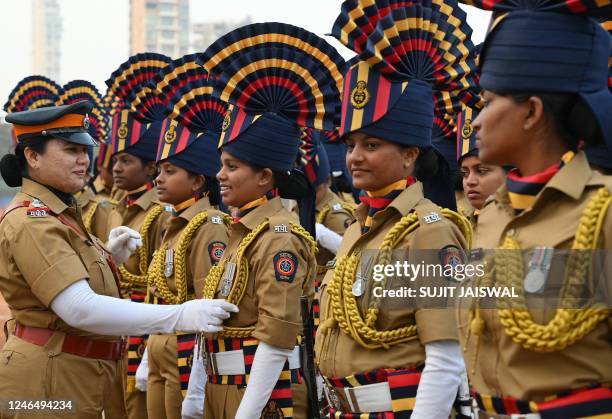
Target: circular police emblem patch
(360, 96)
(170, 135)
(467, 130)
(122, 132)
(226, 122)
(285, 266)
(215, 251)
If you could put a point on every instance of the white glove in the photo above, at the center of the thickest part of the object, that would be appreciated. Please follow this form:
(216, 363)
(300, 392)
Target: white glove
(327, 238)
(193, 404)
(80, 307)
(203, 315)
(267, 366)
(439, 381)
(122, 242)
(142, 373)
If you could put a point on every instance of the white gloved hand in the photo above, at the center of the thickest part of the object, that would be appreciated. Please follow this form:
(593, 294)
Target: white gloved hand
(193, 403)
(203, 315)
(142, 372)
(122, 242)
(327, 238)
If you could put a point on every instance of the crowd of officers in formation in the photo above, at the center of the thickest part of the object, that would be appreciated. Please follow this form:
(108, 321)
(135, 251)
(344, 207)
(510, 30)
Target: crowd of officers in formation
(198, 241)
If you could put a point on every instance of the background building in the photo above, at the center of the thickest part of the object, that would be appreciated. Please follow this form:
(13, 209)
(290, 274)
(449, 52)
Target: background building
(205, 33)
(160, 26)
(46, 38)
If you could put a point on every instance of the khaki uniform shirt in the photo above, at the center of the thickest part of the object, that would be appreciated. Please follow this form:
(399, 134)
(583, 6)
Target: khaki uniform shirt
(99, 189)
(41, 256)
(501, 367)
(337, 219)
(133, 216)
(205, 248)
(337, 354)
(281, 269)
(101, 207)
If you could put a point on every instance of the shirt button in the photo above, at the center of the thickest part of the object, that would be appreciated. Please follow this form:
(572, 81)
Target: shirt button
(510, 232)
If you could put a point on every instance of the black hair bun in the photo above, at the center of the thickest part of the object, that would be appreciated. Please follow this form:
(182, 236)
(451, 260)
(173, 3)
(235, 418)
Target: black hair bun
(11, 170)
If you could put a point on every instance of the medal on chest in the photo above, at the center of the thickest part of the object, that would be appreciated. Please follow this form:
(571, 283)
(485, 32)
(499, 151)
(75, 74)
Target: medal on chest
(169, 263)
(228, 279)
(359, 285)
(539, 267)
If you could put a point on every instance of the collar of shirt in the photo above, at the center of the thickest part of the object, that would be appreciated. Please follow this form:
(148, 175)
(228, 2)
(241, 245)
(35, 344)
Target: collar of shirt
(43, 194)
(144, 202)
(402, 205)
(99, 186)
(259, 214)
(195, 208)
(85, 196)
(571, 180)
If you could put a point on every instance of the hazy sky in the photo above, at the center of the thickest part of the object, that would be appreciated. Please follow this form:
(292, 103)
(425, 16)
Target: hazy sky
(96, 32)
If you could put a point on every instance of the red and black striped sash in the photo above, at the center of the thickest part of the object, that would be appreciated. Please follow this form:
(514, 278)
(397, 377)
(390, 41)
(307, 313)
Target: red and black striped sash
(136, 348)
(282, 395)
(185, 343)
(584, 403)
(403, 385)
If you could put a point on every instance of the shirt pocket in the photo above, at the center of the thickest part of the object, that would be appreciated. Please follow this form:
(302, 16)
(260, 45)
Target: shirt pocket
(101, 279)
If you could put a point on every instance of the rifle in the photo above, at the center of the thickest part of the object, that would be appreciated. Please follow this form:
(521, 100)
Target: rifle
(307, 353)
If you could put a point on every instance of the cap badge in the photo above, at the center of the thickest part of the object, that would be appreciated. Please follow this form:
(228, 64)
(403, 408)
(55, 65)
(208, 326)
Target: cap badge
(122, 132)
(86, 122)
(467, 130)
(226, 122)
(170, 135)
(360, 96)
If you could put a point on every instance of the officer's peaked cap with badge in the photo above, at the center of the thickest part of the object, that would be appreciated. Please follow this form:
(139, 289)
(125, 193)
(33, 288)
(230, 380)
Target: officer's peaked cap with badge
(550, 46)
(68, 122)
(190, 135)
(137, 111)
(277, 78)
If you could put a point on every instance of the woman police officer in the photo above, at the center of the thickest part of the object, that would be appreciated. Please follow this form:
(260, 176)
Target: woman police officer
(59, 282)
(548, 220)
(403, 360)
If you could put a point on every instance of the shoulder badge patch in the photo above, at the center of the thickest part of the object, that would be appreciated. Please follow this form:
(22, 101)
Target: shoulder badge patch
(37, 209)
(285, 266)
(432, 217)
(216, 220)
(215, 251)
(337, 207)
(281, 228)
(451, 256)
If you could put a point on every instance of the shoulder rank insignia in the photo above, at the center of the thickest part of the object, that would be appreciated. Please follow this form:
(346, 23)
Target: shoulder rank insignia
(432, 217)
(168, 208)
(337, 207)
(215, 251)
(216, 220)
(37, 209)
(281, 228)
(285, 266)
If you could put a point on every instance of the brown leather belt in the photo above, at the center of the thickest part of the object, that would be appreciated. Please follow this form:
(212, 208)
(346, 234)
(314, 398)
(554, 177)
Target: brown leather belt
(75, 345)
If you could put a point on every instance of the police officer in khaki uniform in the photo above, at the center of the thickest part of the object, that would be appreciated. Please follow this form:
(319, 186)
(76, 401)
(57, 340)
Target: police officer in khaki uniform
(134, 140)
(254, 365)
(526, 359)
(59, 281)
(380, 355)
(194, 240)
